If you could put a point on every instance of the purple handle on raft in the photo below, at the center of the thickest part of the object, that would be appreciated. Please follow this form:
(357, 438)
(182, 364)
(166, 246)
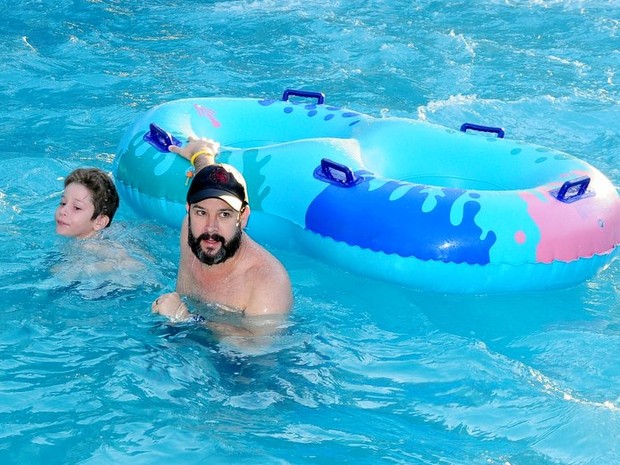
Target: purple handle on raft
(477, 127)
(320, 97)
(160, 139)
(336, 173)
(574, 190)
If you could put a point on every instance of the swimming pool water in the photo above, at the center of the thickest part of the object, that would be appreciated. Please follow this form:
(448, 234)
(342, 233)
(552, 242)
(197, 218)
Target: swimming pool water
(364, 372)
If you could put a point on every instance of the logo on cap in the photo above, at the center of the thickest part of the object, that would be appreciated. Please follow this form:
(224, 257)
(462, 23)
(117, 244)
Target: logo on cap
(219, 175)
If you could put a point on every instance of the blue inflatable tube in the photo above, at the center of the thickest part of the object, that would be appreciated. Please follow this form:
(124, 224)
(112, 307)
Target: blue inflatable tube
(390, 198)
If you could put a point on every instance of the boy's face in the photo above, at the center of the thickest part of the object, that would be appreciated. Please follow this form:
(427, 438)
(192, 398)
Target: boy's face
(73, 215)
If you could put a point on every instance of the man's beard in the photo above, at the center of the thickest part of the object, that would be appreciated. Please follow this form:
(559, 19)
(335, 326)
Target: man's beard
(227, 250)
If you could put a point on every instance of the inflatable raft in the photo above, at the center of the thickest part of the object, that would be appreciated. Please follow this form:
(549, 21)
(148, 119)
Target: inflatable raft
(417, 204)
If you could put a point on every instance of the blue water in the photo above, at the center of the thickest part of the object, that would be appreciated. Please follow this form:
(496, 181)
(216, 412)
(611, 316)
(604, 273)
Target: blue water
(365, 372)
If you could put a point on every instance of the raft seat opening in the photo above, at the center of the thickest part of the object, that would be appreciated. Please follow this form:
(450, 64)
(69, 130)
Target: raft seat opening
(454, 182)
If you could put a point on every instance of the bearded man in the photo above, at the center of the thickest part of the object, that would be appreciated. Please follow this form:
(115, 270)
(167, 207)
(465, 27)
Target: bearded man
(220, 264)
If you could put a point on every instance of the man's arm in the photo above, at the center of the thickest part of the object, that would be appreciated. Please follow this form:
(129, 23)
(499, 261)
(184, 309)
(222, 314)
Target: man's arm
(271, 294)
(183, 273)
(170, 304)
(200, 152)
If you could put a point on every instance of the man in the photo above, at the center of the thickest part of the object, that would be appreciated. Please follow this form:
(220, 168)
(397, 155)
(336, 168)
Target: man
(220, 264)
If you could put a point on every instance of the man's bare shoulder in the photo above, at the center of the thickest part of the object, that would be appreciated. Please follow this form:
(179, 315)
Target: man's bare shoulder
(261, 261)
(271, 285)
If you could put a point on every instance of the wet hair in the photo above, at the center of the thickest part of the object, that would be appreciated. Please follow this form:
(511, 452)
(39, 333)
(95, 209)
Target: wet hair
(101, 186)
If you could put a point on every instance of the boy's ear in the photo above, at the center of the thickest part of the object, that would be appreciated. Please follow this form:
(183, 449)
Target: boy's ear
(101, 222)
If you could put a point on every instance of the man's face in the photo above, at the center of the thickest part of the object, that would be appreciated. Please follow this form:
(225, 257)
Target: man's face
(214, 231)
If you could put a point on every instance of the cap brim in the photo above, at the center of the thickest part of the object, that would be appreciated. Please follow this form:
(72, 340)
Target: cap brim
(226, 196)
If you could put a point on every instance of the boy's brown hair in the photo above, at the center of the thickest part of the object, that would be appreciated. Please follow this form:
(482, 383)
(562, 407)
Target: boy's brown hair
(101, 187)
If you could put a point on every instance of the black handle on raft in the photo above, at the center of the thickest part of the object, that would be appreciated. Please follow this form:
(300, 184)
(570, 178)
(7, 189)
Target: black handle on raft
(477, 127)
(573, 190)
(320, 97)
(160, 139)
(336, 173)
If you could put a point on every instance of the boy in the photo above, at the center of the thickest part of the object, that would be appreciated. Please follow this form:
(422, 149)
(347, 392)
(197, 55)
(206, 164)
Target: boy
(88, 204)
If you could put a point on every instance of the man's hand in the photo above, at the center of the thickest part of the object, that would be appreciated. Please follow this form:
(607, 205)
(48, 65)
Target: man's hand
(172, 306)
(207, 148)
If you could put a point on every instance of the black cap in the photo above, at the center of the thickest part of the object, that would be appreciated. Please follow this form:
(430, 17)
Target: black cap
(219, 181)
